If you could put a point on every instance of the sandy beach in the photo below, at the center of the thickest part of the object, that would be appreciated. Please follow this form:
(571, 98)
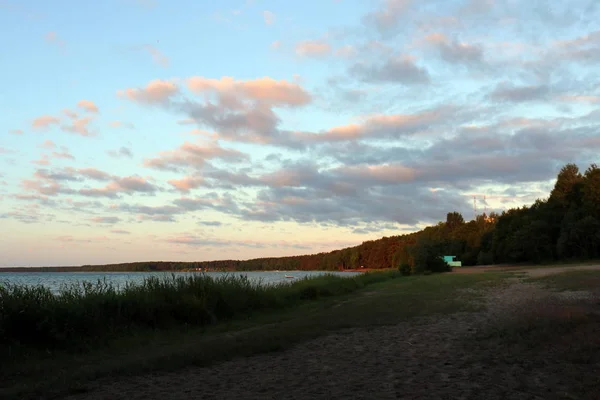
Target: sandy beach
(432, 358)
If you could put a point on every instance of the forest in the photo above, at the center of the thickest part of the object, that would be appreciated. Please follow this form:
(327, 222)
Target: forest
(565, 226)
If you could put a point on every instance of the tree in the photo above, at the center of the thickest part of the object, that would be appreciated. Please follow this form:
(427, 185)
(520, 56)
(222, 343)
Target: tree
(566, 187)
(591, 191)
(428, 257)
(454, 220)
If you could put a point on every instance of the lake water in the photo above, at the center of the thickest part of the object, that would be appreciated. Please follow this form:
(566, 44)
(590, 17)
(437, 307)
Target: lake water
(54, 280)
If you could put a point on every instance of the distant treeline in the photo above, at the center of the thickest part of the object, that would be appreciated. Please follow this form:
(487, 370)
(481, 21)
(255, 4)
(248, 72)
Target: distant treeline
(564, 226)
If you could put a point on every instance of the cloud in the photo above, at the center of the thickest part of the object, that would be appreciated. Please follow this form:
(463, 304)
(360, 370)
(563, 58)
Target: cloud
(120, 152)
(44, 122)
(269, 17)
(398, 69)
(52, 37)
(93, 173)
(190, 155)
(456, 52)
(72, 174)
(48, 144)
(157, 57)
(508, 92)
(394, 126)
(16, 131)
(45, 159)
(121, 124)
(156, 92)
(186, 184)
(265, 90)
(346, 51)
(88, 106)
(387, 17)
(583, 49)
(313, 48)
(275, 45)
(70, 113)
(120, 232)
(126, 185)
(235, 109)
(45, 187)
(195, 241)
(79, 126)
(580, 99)
(105, 220)
(210, 223)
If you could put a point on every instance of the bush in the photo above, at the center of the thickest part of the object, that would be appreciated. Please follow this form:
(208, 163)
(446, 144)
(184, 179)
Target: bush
(405, 269)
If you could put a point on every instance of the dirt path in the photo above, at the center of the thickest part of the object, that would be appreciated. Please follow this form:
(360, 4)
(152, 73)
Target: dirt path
(534, 272)
(453, 357)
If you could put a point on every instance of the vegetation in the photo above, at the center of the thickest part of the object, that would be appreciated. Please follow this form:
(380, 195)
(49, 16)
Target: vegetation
(388, 299)
(82, 314)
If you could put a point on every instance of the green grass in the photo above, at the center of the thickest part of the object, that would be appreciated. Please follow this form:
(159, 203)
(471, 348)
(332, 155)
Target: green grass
(388, 299)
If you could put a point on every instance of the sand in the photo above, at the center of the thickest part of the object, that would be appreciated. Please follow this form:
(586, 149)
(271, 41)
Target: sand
(431, 358)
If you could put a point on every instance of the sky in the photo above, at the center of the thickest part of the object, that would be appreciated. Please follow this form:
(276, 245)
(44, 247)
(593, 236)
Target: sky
(140, 130)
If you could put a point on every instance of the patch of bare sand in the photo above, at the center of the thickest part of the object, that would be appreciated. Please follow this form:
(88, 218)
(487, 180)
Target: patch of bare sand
(534, 272)
(433, 358)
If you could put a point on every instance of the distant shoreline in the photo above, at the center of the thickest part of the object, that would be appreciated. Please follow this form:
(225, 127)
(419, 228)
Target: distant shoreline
(101, 268)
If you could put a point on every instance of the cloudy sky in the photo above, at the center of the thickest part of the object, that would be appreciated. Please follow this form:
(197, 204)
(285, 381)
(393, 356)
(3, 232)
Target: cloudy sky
(195, 130)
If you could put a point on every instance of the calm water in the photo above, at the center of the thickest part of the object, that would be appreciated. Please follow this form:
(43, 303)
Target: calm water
(54, 280)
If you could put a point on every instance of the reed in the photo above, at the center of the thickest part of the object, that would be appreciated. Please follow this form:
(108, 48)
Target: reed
(83, 313)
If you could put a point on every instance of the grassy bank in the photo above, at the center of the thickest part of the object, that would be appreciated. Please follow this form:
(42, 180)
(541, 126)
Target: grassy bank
(361, 302)
(83, 314)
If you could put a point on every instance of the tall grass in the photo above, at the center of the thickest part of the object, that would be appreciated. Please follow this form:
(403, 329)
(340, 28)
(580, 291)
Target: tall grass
(81, 314)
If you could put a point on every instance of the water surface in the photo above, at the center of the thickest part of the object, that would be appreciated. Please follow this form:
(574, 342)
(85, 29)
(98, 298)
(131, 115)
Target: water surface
(54, 280)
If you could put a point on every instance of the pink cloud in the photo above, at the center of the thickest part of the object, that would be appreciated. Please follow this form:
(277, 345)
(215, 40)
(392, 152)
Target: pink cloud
(313, 48)
(88, 106)
(70, 113)
(79, 126)
(267, 90)
(269, 17)
(62, 154)
(156, 92)
(380, 126)
(45, 187)
(16, 131)
(128, 184)
(48, 144)
(44, 122)
(192, 155)
(186, 184)
(52, 37)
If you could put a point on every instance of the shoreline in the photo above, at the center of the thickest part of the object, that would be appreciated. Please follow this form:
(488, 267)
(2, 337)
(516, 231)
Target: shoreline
(78, 269)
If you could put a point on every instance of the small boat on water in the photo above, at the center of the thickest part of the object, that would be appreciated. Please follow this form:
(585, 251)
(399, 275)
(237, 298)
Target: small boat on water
(289, 277)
